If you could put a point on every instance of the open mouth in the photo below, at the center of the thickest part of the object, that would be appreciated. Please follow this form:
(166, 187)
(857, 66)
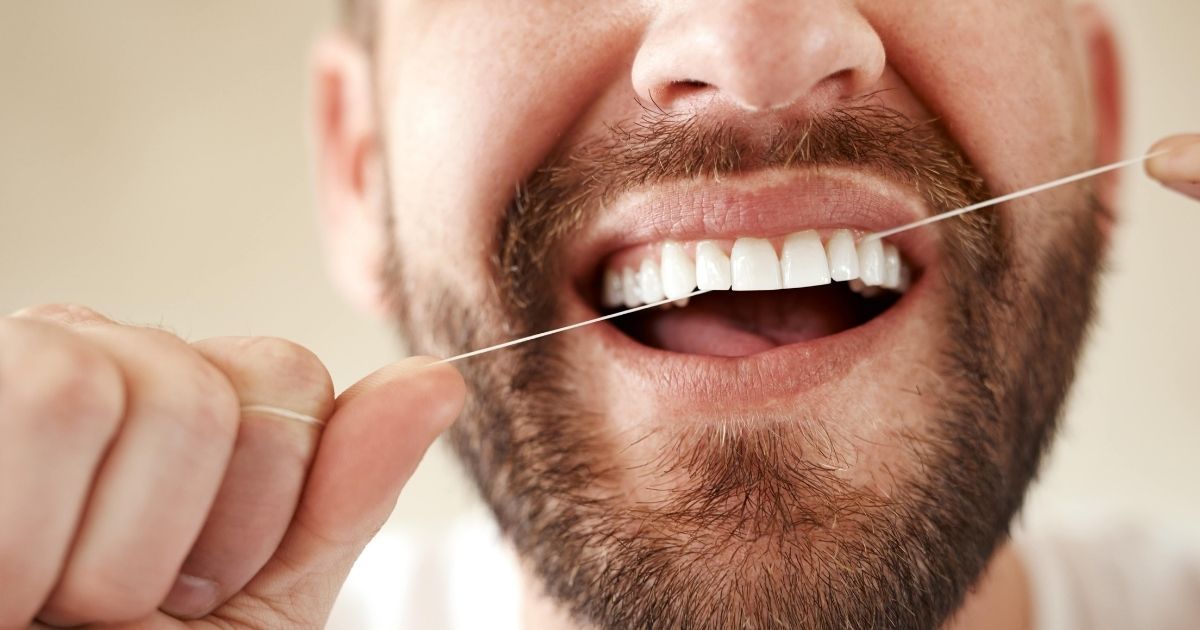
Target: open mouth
(764, 293)
(797, 295)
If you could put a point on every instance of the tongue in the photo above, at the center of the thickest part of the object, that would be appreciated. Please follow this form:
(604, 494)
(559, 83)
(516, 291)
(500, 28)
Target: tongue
(736, 324)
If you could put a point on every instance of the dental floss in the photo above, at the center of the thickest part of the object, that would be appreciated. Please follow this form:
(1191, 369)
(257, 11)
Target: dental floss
(877, 235)
(522, 340)
(1011, 196)
(282, 413)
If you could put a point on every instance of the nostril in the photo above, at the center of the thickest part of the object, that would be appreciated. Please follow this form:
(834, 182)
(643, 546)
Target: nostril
(677, 91)
(845, 75)
(842, 83)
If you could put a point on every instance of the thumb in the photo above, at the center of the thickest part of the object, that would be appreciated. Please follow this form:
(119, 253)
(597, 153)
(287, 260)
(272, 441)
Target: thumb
(1180, 168)
(377, 435)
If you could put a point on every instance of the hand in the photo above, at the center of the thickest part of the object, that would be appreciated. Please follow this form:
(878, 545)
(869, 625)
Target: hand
(135, 491)
(1179, 169)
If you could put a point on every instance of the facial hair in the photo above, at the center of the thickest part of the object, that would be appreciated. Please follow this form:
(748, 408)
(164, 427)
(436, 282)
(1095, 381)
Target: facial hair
(762, 533)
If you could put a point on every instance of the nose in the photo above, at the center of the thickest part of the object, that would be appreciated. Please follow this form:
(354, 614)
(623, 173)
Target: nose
(757, 55)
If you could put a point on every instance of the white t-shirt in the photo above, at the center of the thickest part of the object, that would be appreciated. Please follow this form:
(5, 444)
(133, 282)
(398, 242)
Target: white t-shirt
(1094, 574)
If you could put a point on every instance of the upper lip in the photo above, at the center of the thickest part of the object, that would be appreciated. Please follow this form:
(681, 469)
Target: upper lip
(764, 204)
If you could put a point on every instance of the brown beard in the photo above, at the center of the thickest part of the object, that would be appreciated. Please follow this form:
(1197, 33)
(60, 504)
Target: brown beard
(762, 534)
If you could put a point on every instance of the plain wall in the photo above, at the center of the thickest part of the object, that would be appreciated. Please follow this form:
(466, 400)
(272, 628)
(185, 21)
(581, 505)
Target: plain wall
(154, 165)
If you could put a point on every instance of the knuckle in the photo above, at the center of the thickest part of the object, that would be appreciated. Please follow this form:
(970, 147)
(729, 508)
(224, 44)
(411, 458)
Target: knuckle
(172, 381)
(63, 313)
(160, 338)
(291, 363)
(60, 382)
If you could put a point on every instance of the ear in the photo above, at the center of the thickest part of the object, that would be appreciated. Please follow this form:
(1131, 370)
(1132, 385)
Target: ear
(349, 176)
(1102, 60)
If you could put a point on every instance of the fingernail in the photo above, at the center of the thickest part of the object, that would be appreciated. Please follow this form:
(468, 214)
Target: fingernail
(190, 597)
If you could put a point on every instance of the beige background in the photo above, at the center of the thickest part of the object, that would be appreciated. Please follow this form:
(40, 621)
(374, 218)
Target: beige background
(153, 165)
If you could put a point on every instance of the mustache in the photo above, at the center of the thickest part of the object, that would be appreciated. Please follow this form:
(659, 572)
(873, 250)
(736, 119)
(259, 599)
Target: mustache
(573, 185)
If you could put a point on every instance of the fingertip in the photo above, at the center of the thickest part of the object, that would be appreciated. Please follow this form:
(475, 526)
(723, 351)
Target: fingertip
(429, 389)
(1178, 162)
(418, 367)
(448, 389)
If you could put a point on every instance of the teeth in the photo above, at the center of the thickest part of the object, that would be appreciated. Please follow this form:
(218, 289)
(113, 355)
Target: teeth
(650, 287)
(713, 272)
(678, 271)
(905, 279)
(755, 266)
(858, 286)
(630, 284)
(843, 256)
(614, 293)
(804, 263)
(868, 267)
(891, 266)
(871, 262)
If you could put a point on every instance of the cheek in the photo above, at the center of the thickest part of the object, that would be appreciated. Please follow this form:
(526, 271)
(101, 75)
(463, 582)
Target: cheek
(1019, 111)
(477, 94)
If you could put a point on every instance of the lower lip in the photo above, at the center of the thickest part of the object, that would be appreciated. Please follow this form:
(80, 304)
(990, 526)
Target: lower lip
(780, 372)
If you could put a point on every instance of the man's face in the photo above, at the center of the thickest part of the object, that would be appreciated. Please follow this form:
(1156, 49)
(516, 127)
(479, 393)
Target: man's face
(809, 457)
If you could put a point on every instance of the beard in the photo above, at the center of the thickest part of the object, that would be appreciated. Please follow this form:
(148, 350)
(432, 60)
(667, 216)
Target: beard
(758, 527)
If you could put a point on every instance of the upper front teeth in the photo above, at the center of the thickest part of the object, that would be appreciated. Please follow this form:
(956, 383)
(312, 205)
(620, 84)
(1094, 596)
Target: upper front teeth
(871, 262)
(843, 256)
(804, 263)
(650, 287)
(753, 265)
(678, 271)
(713, 272)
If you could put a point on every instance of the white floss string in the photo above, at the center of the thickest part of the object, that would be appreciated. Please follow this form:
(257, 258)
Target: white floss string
(877, 235)
(1016, 195)
(282, 414)
(517, 342)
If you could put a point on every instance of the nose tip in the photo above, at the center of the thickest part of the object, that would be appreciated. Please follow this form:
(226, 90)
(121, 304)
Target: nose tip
(758, 55)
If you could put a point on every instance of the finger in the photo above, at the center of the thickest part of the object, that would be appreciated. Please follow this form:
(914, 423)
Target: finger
(1179, 168)
(370, 447)
(61, 403)
(158, 481)
(266, 473)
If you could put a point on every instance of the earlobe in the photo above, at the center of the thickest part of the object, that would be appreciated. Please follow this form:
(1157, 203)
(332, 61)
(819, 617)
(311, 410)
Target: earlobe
(1105, 84)
(350, 183)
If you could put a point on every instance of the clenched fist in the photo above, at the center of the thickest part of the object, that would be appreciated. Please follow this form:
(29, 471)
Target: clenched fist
(145, 480)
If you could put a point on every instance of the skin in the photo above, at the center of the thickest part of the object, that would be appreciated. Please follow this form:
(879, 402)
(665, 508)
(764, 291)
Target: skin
(465, 99)
(105, 503)
(126, 460)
